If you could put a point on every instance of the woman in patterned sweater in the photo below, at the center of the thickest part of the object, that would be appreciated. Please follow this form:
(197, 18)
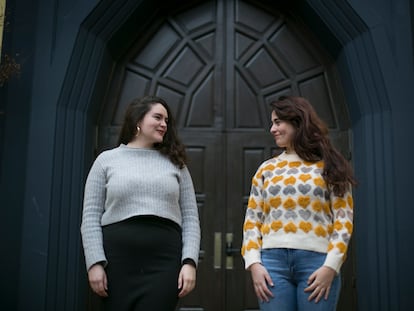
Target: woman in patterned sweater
(298, 221)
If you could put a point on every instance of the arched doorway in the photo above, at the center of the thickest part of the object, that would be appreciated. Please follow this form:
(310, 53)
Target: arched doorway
(218, 63)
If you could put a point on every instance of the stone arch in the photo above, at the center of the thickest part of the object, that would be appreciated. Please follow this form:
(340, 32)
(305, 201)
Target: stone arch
(345, 36)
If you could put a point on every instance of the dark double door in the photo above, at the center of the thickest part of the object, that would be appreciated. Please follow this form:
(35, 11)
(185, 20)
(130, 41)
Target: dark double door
(218, 64)
(222, 165)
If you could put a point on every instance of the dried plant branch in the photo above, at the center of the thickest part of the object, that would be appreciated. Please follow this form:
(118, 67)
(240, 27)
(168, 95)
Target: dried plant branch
(8, 68)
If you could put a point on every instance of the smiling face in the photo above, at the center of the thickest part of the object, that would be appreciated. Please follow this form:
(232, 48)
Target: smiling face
(153, 126)
(283, 132)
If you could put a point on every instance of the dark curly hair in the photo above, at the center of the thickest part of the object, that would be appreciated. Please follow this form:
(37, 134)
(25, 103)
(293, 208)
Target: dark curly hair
(171, 145)
(311, 141)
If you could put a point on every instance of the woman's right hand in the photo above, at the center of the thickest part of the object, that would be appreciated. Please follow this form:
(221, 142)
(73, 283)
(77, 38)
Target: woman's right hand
(261, 280)
(98, 280)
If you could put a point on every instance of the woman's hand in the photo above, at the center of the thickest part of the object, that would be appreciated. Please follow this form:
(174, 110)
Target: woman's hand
(261, 280)
(186, 280)
(98, 280)
(319, 283)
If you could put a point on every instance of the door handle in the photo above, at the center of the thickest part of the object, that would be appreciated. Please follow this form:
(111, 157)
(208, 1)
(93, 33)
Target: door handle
(230, 251)
(217, 250)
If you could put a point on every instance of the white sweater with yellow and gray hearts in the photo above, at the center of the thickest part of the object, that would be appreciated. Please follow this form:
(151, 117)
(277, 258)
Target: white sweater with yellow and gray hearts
(290, 206)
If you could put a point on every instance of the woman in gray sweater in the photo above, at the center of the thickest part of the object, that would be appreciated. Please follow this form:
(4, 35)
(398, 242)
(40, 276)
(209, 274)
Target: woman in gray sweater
(140, 226)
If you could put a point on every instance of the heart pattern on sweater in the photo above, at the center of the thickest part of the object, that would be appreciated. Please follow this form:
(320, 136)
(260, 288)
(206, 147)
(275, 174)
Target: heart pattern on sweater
(289, 190)
(318, 192)
(304, 189)
(292, 171)
(274, 189)
(276, 214)
(291, 214)
(305, 214)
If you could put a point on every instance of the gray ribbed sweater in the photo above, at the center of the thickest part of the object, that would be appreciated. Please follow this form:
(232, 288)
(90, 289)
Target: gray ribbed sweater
(125, 182)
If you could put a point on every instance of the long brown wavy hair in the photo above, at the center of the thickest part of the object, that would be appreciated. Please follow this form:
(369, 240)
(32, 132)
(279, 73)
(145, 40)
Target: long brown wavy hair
(171, 145)
(311, 141)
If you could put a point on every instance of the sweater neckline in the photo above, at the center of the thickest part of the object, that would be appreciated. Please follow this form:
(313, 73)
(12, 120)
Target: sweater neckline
(289, 156)
(125, 147)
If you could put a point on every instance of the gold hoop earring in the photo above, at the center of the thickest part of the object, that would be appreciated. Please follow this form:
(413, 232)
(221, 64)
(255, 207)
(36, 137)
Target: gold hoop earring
(138, 131)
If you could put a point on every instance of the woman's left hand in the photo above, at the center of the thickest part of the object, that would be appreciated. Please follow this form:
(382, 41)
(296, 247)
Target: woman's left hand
(186, 280)
(319, 283)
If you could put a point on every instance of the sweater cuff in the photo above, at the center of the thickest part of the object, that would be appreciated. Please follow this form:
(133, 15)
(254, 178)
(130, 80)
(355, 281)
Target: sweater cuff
(334, 261)
(189, 261)
(251, 257)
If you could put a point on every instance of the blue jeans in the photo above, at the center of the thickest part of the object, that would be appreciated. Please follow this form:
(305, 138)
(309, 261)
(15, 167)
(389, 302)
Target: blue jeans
(290, 270)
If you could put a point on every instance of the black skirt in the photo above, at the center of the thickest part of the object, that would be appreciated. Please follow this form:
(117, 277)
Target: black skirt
(144, 261)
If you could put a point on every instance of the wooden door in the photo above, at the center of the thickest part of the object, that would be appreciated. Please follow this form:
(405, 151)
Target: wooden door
(218, 64)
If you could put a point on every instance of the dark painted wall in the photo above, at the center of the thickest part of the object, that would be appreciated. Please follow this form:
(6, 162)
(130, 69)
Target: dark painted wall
(383, 145)
(15, 115)
(43, 163)
(42, 33)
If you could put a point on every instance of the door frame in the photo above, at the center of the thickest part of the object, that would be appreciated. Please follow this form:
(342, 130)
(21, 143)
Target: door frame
(79, 106)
